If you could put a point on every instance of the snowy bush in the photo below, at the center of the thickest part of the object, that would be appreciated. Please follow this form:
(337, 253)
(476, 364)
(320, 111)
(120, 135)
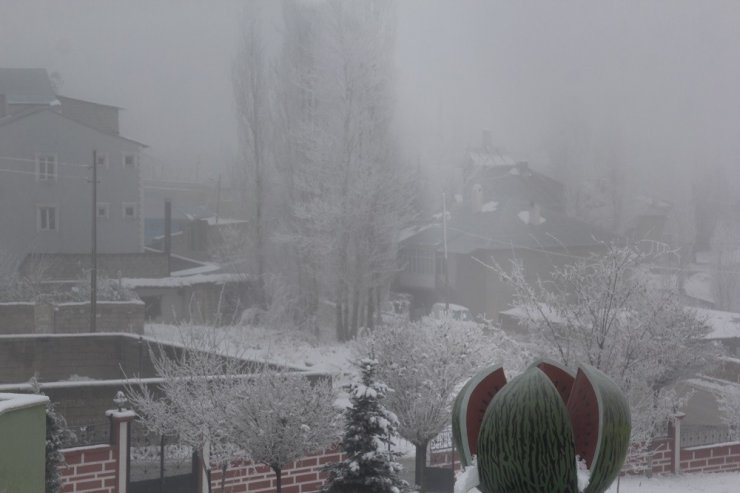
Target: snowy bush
(424, 362)
(279, 417)
(602, 311)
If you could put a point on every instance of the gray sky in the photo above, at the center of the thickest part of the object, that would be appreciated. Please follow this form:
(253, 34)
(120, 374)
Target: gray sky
(659, 78)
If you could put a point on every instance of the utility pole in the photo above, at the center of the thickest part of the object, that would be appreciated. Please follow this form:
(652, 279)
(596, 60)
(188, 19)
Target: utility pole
(218, 198)
(94, 246)
(444, 236)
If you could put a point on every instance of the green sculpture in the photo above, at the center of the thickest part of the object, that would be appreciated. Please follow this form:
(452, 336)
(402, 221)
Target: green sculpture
(527, 434)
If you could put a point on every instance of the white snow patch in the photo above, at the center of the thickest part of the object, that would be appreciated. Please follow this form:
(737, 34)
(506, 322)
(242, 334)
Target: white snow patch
(723, 325)
(467, 480)
(489, 207)
(524, 216)
(178, 282)
(15, 402)
(699, 286)
(584, 475)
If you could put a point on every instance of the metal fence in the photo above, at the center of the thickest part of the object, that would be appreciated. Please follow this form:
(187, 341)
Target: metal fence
(696, 435)
(83, 435)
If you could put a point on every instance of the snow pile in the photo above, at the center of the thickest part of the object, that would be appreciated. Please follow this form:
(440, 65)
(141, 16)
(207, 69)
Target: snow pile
(467, 480)
(584, 475)
(489, 207)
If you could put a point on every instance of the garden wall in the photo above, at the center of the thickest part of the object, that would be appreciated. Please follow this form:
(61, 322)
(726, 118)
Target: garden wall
(64, 318)
(90, 469)
(302, 476)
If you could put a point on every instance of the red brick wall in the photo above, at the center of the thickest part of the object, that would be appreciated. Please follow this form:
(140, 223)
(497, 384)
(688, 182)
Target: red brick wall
(302, 476)
(89, 469)
(707, 458)
(711, 458)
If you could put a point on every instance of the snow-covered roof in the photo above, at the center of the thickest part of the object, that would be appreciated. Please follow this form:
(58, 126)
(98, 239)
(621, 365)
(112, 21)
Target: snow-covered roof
(14, 402)
(182, 281)
(221, 221)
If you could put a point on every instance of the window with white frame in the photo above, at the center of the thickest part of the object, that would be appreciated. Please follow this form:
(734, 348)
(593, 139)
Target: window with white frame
(102, 210)
(130, 160)
(101, 160)
(130, 210)
(46, 218)
(46, 167)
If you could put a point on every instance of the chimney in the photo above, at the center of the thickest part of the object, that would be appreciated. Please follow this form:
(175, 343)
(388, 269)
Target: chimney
(3, 106)
(535, 218)
(168, 234)
(476, 198)
(487, 140)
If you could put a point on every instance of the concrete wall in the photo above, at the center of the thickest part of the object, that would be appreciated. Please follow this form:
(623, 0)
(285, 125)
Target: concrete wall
(65, 318)
(23, 444)
(57, 358)
(17, 318)
(73, 266)
(47, 132)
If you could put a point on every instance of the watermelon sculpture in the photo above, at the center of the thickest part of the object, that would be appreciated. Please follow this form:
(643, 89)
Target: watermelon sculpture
(525, 435)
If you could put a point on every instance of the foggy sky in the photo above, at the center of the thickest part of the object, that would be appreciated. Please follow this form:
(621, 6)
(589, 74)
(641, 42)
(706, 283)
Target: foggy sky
(657, 80)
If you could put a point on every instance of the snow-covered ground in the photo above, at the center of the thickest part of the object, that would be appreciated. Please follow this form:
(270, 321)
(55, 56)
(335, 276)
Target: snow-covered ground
(728, 482)
(256, 343)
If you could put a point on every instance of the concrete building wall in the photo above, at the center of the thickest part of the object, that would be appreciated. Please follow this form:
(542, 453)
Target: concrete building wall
(23, 444)
(22, 192)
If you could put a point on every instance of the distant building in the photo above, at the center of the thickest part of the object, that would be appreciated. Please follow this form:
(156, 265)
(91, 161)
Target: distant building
(506, 212)
(46, 149)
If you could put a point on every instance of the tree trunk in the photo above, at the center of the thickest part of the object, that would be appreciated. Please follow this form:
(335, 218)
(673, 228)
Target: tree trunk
(420, 465)
(223, 476)
(278, 479)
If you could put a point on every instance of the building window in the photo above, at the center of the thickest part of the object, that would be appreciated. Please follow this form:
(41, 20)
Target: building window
(419, 261)
(46, 218)
(130, 210)
(46, 167)
(102, 210)
(130, 160)
(101, 160)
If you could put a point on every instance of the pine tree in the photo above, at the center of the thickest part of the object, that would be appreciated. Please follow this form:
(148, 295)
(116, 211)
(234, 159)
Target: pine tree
(370, 466)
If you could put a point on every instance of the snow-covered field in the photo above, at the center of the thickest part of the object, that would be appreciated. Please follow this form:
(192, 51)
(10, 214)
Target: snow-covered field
(288, 348)
(728, 482)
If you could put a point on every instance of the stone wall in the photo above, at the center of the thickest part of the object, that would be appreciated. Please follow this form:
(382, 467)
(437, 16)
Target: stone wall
(75, 266)
(110, 317)
(64, 318)
(17, 318)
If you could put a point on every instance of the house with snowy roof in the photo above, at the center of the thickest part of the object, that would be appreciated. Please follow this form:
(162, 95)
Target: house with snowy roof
(46, 151)
(508, 212)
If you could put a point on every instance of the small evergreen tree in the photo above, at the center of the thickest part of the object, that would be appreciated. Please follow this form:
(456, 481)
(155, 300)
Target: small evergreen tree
(56, 432)
(370, 466)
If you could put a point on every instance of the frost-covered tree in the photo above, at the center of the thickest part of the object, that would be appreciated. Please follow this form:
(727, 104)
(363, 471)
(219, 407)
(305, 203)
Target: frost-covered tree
(606, 311)
(279, 417)
(729, 406)
(370, 465)
(424, 362)
(195, 397)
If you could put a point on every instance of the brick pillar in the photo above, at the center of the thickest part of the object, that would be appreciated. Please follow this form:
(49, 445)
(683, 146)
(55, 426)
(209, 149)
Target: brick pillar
(120, 426)
(677, 442)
